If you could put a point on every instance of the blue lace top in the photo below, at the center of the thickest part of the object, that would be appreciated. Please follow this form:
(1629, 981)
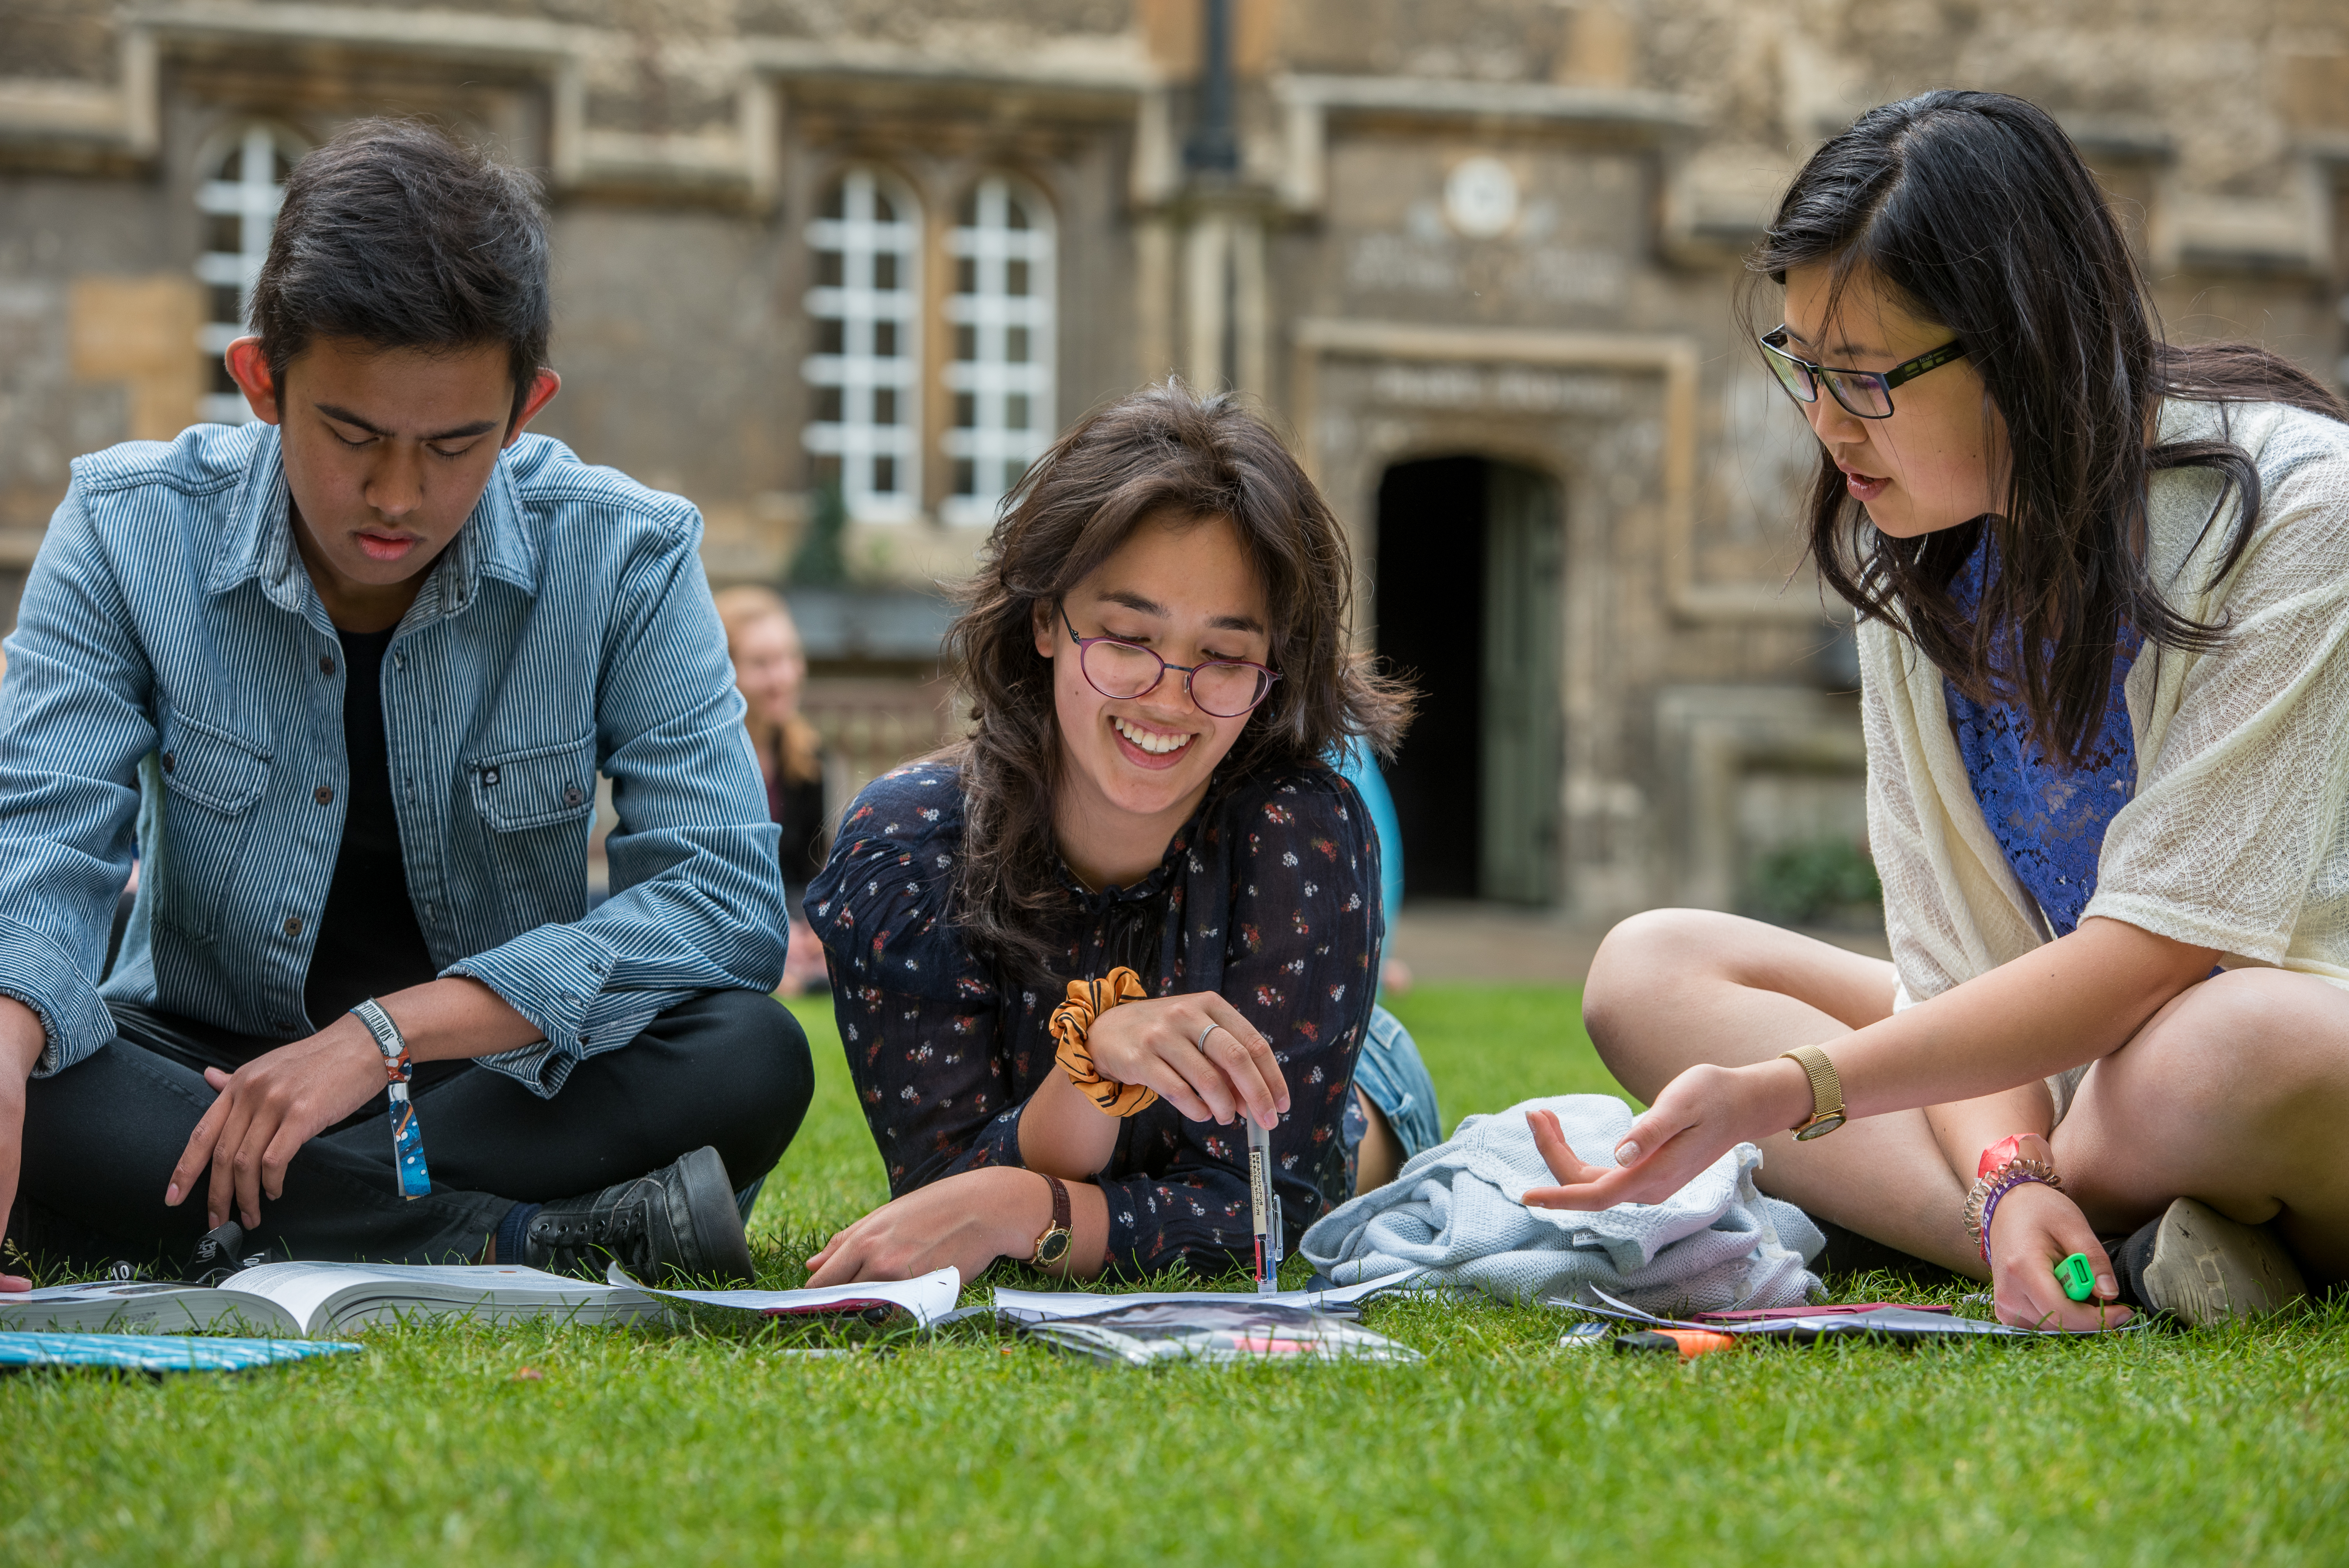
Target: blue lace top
(2048, 819)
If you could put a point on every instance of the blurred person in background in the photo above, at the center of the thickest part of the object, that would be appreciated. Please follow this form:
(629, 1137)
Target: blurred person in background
(770, 669)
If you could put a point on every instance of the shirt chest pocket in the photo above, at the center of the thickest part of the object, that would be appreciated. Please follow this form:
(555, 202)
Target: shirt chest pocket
(537, 787)
(536, 803)
(212, 779)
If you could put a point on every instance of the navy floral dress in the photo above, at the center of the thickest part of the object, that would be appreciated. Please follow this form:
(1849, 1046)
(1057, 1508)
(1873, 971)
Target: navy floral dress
(1268, 895)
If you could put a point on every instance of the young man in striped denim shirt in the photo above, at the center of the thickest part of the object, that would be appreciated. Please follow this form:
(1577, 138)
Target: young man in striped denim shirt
(343, 678)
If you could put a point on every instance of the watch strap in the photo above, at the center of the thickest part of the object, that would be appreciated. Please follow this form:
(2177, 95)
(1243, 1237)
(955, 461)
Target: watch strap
(1062, 1215)
(1826, 1088)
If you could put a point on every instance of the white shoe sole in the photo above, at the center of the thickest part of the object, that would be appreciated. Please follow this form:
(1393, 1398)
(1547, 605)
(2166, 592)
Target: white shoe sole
(2206, 1268)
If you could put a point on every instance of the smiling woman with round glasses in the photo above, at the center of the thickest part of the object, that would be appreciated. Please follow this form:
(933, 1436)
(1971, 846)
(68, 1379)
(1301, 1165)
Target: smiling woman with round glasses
(1136, 905)
(2102, 585)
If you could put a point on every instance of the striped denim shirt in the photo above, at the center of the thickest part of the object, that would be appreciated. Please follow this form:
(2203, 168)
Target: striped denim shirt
(175, 684)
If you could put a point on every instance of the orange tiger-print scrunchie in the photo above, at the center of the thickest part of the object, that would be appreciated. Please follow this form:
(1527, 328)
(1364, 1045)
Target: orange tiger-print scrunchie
(1088, 1000)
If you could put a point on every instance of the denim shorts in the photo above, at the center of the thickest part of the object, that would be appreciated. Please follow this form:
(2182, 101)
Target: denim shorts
(1390, 1072)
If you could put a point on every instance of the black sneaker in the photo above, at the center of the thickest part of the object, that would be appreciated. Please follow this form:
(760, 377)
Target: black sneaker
(680, 1219)
(2202, 1267)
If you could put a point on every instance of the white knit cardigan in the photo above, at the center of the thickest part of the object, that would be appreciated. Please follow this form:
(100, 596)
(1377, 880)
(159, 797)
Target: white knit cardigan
(2237, 837)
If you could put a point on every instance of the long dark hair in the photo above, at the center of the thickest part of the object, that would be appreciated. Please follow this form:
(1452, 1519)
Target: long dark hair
(1977, 212)
(1160, 454)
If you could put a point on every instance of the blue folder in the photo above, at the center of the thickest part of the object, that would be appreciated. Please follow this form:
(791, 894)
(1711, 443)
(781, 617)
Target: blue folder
(159, 1352)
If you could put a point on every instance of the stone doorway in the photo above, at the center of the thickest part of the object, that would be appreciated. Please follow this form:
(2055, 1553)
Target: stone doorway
(1469, 576)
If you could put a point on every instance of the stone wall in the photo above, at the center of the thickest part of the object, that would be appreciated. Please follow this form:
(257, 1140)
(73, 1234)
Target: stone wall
(1499, 230)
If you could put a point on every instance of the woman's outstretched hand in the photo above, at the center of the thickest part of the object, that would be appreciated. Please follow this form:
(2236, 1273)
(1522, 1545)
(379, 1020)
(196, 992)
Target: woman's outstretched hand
(1701, 1116)
(969, 1220)
(1158, 1044)
(2032, 1229)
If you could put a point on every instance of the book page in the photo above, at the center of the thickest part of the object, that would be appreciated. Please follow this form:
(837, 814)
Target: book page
(931, 1296)
(303, 1289)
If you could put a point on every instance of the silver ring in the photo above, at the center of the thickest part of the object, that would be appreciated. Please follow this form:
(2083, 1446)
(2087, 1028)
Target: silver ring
(1202, 1036)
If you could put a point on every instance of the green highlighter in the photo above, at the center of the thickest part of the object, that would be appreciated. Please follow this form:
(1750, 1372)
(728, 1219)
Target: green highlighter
(2079, 1279)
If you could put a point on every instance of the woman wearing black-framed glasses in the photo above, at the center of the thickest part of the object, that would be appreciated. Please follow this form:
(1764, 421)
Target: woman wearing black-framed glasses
(2102, 584)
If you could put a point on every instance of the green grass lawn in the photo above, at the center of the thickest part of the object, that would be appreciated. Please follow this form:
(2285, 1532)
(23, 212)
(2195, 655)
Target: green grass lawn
(663, 1447)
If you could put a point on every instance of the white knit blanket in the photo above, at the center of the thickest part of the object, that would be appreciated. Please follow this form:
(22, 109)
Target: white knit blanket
(1456, 1214)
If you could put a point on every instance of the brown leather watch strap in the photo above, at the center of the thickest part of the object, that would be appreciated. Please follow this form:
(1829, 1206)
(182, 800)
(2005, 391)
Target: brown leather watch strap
(1061, 1212)
(1053, 1244)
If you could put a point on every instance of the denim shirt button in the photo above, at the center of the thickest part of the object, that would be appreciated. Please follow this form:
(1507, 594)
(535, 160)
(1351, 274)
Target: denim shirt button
(293, 926)
(170, 762)
(325, 663)
(489, 777)
(572, 796)
(324, 796)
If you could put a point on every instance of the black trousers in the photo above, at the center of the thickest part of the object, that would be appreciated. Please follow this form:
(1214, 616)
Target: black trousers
(727, 1067)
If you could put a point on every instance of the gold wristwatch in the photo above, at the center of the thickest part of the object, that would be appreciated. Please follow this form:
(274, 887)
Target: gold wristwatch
(1826, 1093)
(1053, 1244)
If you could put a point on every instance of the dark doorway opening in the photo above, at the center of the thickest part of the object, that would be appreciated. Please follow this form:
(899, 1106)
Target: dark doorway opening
(1469, 559)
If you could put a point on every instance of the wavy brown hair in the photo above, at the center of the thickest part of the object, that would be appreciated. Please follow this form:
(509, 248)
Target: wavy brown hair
(1978, 214)
(1162, 454)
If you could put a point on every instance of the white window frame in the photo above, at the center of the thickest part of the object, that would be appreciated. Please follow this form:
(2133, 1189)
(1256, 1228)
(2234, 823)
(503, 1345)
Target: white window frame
(857, 439)
(990, 382)
(253, 199)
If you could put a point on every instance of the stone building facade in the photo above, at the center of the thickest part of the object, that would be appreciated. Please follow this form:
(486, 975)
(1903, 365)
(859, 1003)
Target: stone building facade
(1478, 259)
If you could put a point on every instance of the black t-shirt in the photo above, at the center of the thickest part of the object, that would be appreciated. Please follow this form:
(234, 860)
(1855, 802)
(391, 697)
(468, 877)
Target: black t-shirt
(798, 806)
(368, 942)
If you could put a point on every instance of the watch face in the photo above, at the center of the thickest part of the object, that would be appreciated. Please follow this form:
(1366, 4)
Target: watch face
(1820, 1128)
(1053, 1246)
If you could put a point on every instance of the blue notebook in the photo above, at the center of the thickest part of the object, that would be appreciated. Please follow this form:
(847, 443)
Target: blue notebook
(159, 1352)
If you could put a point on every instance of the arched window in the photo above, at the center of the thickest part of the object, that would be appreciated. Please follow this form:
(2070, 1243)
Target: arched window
(864, 432)
(244, 182)
(1001, 314)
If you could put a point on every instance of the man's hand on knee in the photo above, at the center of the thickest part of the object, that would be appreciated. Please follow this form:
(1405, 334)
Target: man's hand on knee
(22, 1041)
(267, 1109)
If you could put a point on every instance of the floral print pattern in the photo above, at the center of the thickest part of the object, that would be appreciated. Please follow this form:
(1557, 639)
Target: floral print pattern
(1266, 896)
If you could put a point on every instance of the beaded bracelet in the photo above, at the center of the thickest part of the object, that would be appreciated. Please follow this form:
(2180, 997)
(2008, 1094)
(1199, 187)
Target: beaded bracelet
(1088, 999)
(1981, 1202)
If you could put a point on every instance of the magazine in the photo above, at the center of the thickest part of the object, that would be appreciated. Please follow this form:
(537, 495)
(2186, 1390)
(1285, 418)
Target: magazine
(300, 1300)
(1880, 1321)
(1230, 1328)
(1025, 1307)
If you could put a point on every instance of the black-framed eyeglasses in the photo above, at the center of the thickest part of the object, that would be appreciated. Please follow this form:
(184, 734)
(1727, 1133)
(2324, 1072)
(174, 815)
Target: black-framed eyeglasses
(1223, 688)
(1865, 393)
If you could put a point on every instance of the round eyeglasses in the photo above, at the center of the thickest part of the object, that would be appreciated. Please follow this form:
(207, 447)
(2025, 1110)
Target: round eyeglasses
(1865, 393)
(1223, 688)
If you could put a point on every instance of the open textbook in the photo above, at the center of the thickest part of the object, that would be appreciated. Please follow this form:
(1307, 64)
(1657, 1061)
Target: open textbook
(303, 1299)
(1223, 1327)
